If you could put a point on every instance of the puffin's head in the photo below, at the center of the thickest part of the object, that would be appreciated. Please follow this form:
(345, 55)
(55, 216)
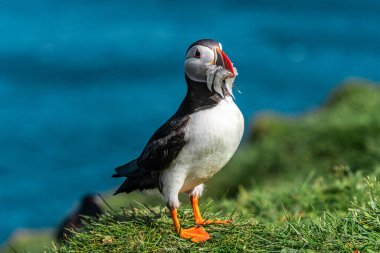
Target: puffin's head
(203, 54)
(207, 63)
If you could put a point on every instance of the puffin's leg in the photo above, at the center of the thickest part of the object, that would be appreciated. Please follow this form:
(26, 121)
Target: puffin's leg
(172, 184)
(196, 234)
(194, 196)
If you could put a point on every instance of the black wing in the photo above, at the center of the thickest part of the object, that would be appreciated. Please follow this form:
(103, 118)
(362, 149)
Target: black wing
(162, 148)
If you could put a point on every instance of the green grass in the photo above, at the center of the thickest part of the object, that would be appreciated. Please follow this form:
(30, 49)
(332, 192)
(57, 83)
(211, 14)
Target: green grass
(28, 241)
(337, 214)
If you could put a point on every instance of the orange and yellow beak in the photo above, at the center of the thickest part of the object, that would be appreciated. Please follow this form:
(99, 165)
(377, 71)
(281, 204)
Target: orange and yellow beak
(223, 60)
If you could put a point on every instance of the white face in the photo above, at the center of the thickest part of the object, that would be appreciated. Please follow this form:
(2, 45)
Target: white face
(212, 67)
(198, 59)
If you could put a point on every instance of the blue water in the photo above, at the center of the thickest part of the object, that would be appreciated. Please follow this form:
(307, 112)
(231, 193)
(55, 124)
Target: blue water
(83, 84)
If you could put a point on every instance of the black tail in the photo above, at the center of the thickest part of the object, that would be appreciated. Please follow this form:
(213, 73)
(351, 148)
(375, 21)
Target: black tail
(140, 182)
(136, 178)
(129, 185)
(127, 169)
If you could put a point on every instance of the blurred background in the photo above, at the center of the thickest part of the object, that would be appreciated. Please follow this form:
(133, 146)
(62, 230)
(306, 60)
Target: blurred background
(83, 84)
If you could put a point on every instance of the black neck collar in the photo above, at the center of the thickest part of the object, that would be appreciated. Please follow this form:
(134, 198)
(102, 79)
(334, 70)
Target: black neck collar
(198, 97)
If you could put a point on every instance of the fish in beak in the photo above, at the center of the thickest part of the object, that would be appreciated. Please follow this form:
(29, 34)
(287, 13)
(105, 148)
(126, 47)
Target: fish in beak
(221, 74)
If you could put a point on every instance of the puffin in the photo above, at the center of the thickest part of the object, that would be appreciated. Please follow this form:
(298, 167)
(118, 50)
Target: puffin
(89, 207)
(194, 143)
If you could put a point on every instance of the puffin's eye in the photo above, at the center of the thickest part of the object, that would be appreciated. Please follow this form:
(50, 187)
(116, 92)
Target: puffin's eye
(197, 54)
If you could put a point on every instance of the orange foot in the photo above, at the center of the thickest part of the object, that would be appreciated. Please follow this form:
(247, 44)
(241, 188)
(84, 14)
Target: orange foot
(196, 234)
(198, 217)
(208, 222)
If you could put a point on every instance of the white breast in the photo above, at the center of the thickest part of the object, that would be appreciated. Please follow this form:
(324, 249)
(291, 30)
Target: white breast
(212, 137)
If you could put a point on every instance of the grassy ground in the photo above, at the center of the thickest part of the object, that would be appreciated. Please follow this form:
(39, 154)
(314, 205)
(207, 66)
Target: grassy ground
(337, 214)
(28, 240)
(303, 183)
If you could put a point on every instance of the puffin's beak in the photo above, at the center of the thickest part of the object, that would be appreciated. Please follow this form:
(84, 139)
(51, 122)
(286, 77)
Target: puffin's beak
(223, 60)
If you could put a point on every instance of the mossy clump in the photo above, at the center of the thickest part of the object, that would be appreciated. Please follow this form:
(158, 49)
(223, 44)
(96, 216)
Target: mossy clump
(345, 131)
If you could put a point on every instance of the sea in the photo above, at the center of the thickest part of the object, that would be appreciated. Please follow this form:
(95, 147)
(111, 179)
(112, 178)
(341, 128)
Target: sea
(84, 84)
